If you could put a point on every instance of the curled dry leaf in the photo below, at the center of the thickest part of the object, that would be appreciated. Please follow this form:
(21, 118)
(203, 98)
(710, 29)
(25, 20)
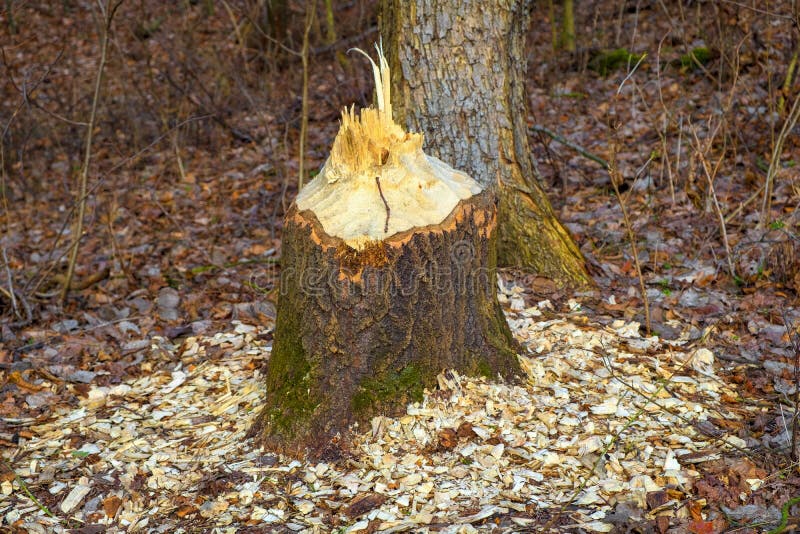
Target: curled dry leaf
(448, 438)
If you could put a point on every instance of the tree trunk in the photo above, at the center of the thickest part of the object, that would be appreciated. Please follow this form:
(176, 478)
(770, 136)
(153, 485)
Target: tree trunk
(363, 332)
(460, 67)
(271, 18)
(568, 27)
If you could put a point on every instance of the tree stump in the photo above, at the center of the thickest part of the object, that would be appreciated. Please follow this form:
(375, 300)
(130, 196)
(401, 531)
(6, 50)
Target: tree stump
(388, 278)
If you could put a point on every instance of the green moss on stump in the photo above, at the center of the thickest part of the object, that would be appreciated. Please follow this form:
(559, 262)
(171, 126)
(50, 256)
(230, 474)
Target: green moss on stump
(484, 369)
(288, 382)
(391, 388)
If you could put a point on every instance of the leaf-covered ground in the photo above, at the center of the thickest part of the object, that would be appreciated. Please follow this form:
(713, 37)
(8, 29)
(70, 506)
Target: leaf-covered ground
(195, 161)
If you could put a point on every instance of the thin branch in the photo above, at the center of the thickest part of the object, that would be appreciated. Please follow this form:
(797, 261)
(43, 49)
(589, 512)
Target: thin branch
(237, 134)
(26, 94)
(84, 175)
(775, 160)
(569, 144)
(270, 38)
(631, 73)
(24, 321)
(722, 229)
(710, 175)
(667, 120)
(27, 492)
(794, 338)
(760, 11)
(616, 179)
(742, 205)
(311, 11)
(344, 44)
(10, 284)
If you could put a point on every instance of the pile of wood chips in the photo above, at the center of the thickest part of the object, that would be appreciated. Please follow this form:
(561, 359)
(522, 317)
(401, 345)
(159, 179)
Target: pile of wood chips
(606, 420)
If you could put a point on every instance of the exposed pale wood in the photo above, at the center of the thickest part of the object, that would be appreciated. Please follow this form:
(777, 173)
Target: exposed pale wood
(378, 181)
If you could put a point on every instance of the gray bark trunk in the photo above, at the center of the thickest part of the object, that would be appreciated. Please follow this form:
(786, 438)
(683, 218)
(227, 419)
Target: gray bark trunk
(459, 69)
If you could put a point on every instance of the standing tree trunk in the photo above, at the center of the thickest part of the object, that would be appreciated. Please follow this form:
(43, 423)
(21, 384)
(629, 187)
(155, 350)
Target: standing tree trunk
(460, 67)
(387, 279)
(568, 27)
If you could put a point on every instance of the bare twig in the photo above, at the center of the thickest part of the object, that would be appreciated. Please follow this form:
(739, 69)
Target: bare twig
(237, 29)
(710, 175)
(616, 179)
(760, 11)
(3, 195)
(311, 10)
(787, 82)
(775, 160)
(270, 38)
(678, 151)
(24, 321)
(178, 158)
(10, 283)
(566, 142)
(177, 225)
(666, 163)
(794, 338)
(722, 229)
(27, 491)
(28, 94)
(210, 110)
(735, 213)
(631, 72)
(344, 44)
(108, 14)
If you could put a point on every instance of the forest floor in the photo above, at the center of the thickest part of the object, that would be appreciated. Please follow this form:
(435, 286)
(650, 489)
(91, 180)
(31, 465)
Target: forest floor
(126, 407)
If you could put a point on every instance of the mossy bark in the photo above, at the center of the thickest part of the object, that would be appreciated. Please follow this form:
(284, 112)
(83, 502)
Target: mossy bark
(458, 76)
(362, 333)
(568, 27)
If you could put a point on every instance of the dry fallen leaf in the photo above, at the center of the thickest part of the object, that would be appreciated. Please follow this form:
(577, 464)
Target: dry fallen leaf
(185, 510)
(363, 503)
(465, 430)
(111, 505)
(448, 438)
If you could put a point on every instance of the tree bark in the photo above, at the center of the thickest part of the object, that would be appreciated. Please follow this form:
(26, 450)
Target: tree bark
(362, 333)
(459, 70)
(568, 27)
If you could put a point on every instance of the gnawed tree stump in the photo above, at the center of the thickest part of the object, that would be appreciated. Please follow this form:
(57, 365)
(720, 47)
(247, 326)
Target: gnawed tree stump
(388, 278)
